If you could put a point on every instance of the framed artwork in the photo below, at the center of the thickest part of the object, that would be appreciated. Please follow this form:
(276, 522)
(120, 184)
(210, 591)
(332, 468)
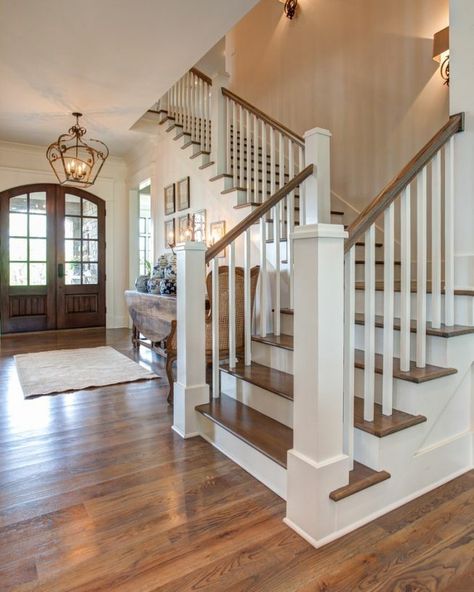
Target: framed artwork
(170, 237)
(199, 226)
(170, 200)
(184, 228)
(182, 194)
(217, 231)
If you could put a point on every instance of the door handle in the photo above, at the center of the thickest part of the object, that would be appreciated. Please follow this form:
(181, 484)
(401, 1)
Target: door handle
(60, 270)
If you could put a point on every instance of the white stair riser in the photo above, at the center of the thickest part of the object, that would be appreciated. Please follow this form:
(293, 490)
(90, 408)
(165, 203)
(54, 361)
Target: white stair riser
(463, 306)
(273, 357)
(270, 404)
(257, 464)
(379, 273)
(286, 324)
(436, 347)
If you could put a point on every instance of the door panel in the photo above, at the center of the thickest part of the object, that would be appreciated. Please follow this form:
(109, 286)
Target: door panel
(52, 259)
(81, 261)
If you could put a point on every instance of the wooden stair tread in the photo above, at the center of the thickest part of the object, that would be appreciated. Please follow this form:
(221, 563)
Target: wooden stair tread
(379, 286)
(200, 153)
(362, 262)
(417, 375)
(360, 478)
(362, 244)
(384, 425)
(275, 381)
(443, 331)
(283, 341)
(206, 164)
(190, 143)
(287, 311)
(271, 438)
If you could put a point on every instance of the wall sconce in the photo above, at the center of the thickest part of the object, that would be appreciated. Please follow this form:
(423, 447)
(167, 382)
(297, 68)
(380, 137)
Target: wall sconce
(441, 53)
(290, 8)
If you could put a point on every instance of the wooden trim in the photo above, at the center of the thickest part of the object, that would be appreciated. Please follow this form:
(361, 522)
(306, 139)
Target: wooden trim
(391, 191)
(261, 115)
(254, 216)
(201, 75)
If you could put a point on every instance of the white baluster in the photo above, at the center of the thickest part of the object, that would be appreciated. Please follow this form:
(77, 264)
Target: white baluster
(405, 280)
(421, 270)
(242, 146)
(248, 134)
(215, 328)
(272, 161)
(256, 174)
(349, 345)
(209, 119)
(247, 301)
(232, 358)
(263, 277)
(290, 216)
(205, 104)
(436, 242)
(235, 167)
(302, 200)
(449, 235)
(200, 116)
(369, 332)
(264, 161)
(277, 295)
(388, 309)
(228, 139)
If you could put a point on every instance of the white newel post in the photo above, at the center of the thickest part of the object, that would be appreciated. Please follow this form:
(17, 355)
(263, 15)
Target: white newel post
(317, 464)
(190, 389)
(317, 188)
(218, 123)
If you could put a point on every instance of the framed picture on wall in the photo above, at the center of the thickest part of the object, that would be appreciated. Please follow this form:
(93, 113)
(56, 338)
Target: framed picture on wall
(217, 231)
(170, 238)
(170, 200)
(199, 226)
(184, 228)
(182, 194)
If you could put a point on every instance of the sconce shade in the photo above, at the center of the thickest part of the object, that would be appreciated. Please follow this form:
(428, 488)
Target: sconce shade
(440, 44)
(289, 8)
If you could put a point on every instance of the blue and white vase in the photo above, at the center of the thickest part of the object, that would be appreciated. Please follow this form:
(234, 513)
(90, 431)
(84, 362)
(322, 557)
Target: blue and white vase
(141, 283)
(167, 287)
(153, 285)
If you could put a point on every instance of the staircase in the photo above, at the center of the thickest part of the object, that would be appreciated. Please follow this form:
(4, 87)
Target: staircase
(396, 422)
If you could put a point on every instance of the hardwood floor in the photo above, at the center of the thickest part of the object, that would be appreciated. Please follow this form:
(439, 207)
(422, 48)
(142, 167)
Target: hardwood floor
(97, 494)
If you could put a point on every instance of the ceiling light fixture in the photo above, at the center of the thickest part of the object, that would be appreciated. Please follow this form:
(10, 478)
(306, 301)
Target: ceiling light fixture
(290, 8)
(441, 53)
(74, 160)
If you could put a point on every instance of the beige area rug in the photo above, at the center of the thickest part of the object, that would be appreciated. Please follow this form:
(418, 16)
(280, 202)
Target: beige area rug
(65, 370)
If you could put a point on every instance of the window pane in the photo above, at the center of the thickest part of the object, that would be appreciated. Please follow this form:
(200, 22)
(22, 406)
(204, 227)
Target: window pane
(37, 225)
(73, 205)
(72, 227)
(18, 224)
(18, 274)
(72, 250)
(88, 208)
(18, 249)
(37, 274)
(89, 228)
(90, 273)
(19, 203)
(37, 249)
(89, 251)
(38, 202)
(73, 273)
(142, 226)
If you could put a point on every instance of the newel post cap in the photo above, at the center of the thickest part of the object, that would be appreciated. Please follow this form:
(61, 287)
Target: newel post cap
(191, 246)
(317, 131)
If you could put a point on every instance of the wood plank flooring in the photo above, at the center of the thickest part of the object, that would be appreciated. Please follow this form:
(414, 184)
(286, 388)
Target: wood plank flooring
(98, 494)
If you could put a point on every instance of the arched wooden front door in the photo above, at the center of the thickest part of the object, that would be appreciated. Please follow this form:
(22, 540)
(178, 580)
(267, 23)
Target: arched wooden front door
(52, 261)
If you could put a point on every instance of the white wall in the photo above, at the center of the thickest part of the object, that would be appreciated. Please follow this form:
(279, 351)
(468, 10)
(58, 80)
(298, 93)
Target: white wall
(21, 164)
(462, 99)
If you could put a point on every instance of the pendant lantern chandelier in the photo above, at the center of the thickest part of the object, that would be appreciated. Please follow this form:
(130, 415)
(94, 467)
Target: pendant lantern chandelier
(74, 160)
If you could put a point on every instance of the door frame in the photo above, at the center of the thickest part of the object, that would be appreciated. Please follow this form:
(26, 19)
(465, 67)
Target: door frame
(50, 320)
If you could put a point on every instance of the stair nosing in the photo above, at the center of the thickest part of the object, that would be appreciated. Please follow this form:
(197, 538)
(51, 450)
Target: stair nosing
(267, 340)
(365, 426)
(234, 372)
(457, 330)
(349, 490)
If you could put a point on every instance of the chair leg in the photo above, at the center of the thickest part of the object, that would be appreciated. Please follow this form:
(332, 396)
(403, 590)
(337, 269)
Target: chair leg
(169, 372)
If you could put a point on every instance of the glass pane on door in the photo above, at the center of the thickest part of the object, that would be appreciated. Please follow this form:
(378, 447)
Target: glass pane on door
(81, 246)
(27, 219)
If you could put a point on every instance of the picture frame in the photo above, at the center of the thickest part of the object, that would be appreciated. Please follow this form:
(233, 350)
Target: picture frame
(184, 223)
(199, 226)
(170, 232)
(170, 199)
(182, 194)
(216, 232)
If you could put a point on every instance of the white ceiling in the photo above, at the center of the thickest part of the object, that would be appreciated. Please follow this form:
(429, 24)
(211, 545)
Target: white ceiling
(109, 59)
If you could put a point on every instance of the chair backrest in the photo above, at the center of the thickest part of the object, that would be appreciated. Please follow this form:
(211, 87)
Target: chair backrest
(239, 302)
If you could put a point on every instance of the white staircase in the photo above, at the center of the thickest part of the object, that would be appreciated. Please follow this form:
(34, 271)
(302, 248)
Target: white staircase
(351, 396)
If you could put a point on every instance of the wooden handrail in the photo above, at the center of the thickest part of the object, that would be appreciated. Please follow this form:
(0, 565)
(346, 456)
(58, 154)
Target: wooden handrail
(391, 191)
(261, 115)
(201, 75)
(260, 211)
